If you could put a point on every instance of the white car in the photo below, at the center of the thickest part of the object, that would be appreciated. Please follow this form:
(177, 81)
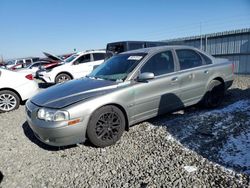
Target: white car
(19, 63)
(33, 68)
(15, 88)
(75, 66)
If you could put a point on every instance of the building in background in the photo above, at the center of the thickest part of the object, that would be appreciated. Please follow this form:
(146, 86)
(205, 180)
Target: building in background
(233, 45)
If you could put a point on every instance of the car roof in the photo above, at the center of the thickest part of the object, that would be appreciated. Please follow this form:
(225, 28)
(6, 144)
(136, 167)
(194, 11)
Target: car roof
(158, 48)
(91, 51)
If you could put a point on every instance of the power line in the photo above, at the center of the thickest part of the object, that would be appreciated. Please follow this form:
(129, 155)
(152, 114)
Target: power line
(232, 18)
(206, 25)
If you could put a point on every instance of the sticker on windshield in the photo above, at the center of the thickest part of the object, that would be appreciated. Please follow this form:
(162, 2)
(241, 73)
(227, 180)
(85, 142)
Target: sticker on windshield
(134, 58)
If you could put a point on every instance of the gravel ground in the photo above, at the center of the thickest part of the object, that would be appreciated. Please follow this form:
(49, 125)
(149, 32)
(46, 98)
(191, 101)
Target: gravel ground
(178, 150)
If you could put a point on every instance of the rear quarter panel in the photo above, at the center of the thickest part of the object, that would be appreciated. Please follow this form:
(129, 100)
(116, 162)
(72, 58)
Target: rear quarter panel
(221, 68)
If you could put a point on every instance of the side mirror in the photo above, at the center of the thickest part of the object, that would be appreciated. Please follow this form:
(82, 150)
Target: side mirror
(145, 76)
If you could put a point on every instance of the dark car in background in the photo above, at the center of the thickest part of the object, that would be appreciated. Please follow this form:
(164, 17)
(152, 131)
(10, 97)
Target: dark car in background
(123, 46)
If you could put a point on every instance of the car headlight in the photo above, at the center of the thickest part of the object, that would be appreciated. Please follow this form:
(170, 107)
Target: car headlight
(52, 115)
(48, 70)
(42, 67)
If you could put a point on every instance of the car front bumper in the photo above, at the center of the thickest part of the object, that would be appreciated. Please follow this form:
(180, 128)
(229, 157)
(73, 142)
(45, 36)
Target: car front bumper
(46, 77)
(55, 133)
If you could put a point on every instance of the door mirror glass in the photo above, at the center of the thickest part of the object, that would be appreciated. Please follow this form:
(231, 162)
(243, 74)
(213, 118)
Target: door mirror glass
(146, 76)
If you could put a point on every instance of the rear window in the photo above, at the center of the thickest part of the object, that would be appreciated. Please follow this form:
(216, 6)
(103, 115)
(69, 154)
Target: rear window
(134, 46)
(19, 61)
(28, 61)
(116, 47)
(188, 59)
(98, 56)
(206, 59)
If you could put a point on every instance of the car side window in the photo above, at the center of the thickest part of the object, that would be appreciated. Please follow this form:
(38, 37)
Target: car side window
(35, 65)
(28, 62)
(159, 64)
(98, 56)
(206, 59)
(188, 59)
(19, 61)
(83, 59)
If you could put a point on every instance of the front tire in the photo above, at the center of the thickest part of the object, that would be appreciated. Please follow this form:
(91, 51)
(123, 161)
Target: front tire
(106, 126)
(9, 101)
(214, 95)
(63, 78)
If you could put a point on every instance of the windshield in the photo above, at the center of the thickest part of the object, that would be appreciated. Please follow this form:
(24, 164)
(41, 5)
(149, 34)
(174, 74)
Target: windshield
(118, 67)
(70, 58)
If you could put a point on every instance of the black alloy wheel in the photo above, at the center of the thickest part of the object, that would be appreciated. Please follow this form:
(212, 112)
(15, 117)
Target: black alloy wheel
(106, 126)
(214, 95)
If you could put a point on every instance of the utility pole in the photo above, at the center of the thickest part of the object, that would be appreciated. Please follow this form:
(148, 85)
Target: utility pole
(200, 36)
(206, 43)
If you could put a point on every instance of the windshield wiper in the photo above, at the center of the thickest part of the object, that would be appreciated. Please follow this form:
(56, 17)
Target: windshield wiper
(94, 77)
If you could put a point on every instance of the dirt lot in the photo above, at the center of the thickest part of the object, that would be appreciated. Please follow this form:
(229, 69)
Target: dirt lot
(192, 147)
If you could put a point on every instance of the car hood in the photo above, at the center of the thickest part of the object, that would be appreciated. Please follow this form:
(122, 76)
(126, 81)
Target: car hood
(62, 95)
(52, 57)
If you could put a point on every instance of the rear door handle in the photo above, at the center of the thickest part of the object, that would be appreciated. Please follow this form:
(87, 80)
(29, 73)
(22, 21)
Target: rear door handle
(191, 76)
(206, 71)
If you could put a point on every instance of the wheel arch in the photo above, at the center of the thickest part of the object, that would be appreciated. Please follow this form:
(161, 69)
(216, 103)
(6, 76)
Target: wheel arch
(203, 100)
(11, 89)
(221, 80)
(64, 72)
(123, 111)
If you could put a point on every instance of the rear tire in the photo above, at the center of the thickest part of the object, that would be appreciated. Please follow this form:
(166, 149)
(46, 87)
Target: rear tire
(63, 78)
(214, 95)
(106, 126)
(9, 101)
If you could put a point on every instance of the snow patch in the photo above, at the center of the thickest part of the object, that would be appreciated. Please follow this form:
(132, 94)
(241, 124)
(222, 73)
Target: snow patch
(242, 105)
(170, 138)
(236, 151)
(190, 168)
(150, 127)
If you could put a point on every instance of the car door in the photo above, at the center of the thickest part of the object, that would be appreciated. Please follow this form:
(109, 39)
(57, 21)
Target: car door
(158, 95)
(192, 76)
(80, 66)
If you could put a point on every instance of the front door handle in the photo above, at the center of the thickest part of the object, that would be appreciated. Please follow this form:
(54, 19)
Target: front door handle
(174, 79)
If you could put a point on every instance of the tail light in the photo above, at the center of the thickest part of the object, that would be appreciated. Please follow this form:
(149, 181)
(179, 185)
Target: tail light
(29, 77)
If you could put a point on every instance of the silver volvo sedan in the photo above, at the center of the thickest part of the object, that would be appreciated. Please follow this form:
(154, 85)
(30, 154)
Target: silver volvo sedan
(127, 89)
